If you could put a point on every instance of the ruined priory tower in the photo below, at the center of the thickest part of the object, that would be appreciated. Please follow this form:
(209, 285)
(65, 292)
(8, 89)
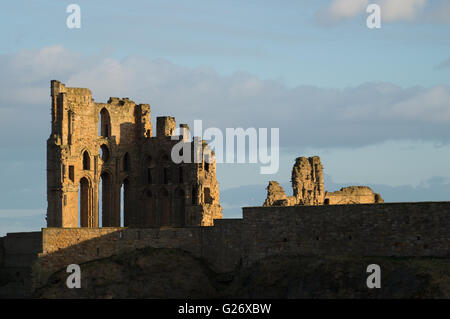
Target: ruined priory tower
(307, 181)
(308, 188)
(105, 166)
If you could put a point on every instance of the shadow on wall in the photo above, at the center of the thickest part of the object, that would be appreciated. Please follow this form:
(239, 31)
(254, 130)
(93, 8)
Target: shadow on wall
(27, 260)
(178, 272)
(218, 246)
(397, 230)
(62, 247)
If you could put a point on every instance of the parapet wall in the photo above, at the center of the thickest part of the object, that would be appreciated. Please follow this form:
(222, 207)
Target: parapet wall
(393, 229)
(19, 249)
(64, 246)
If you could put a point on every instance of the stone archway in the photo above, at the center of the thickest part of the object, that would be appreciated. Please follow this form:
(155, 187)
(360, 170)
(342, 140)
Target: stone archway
(125, 207)
(85, 213)
(105, 199)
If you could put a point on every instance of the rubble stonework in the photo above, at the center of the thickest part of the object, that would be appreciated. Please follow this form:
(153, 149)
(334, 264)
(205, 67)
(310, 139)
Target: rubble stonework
(353, 195)
(307, 181)
(275, 195)
(110, 147)
(308, 188)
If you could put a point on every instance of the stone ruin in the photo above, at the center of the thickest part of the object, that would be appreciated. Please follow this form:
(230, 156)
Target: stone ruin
(353, 195)
(104, 163)
(105, 167)
(308, 188)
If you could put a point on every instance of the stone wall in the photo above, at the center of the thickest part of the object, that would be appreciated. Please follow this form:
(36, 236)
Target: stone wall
(219, 245)
(276, 196)
(64, 246)
(307, 181)
(353, 195)
(223, 244)
(396, 229)
(21, 248)
(393, 229)
(106, 155)
(17, 253)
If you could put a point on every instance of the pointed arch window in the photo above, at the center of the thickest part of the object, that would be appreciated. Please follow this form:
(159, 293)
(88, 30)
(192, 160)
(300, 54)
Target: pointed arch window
(105, 123)
(86, 161)
(104, 153)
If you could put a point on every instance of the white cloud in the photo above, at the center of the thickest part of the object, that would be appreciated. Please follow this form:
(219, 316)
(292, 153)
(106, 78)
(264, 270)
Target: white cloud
(306, 115)
(437, 11)
(432, 105)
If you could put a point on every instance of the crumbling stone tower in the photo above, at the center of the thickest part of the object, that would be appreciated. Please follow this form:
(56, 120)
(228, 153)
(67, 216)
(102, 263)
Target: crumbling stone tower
(105, 166)
(307, 181)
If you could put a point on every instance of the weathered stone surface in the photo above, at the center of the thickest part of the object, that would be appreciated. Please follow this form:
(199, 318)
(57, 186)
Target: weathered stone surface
(308, 188)
(110, 146)
(253, 249)
(142, 273)
(275, 195)
(296, 277)
(406, 229)
(307, 181)
(391, 229)
(353, 195)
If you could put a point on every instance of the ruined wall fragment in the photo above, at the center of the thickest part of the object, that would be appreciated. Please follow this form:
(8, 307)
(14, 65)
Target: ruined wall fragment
(353, 195)
(275, 195)
(308, 188)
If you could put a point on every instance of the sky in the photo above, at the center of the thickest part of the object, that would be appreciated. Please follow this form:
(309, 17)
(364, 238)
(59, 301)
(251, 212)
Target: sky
(374, 104)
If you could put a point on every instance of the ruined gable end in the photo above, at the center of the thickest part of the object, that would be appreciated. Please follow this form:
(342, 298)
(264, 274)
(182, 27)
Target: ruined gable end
(106, 169)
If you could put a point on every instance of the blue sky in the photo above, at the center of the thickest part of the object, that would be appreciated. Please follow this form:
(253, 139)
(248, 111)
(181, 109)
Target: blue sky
(264, 38)
(374, 104)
